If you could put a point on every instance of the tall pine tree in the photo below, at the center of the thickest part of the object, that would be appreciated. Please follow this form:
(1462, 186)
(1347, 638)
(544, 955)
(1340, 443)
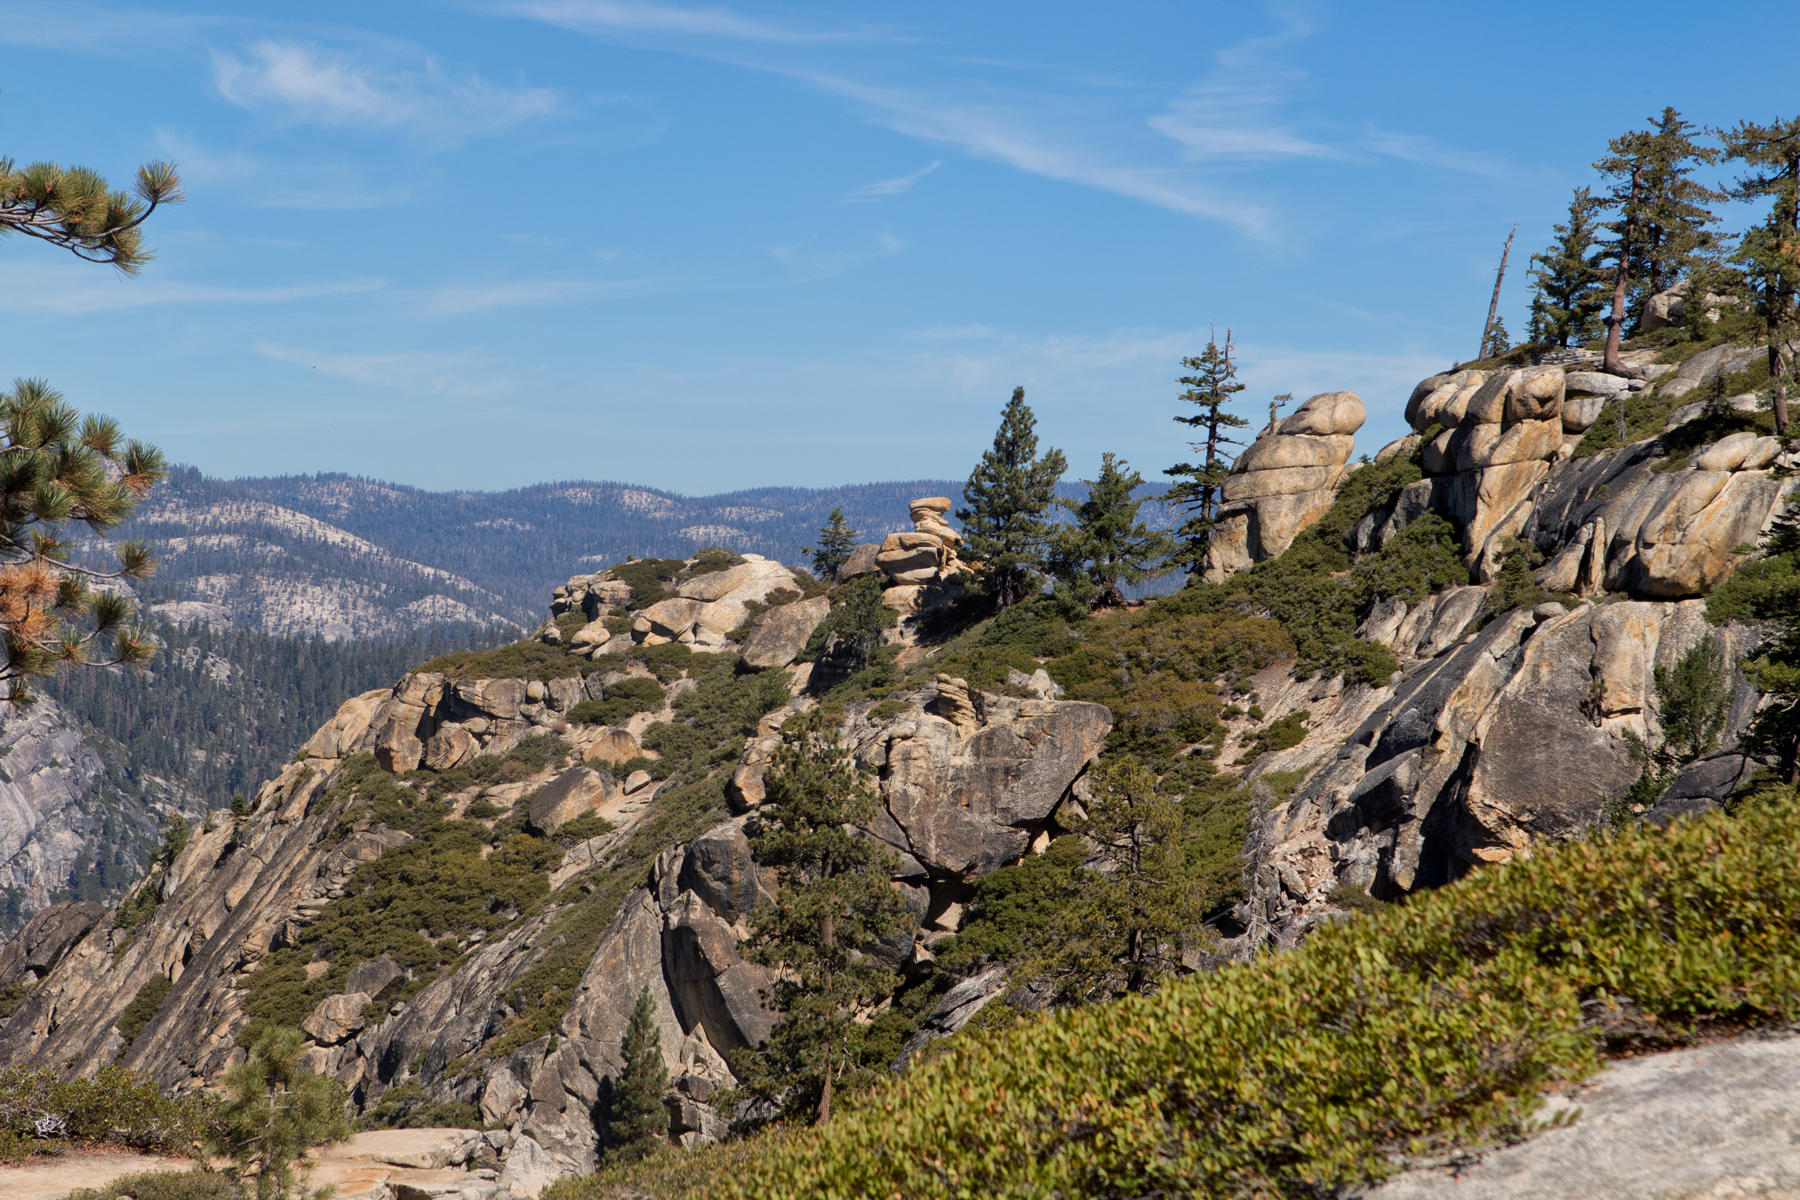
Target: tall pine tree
(1005, 531)
(1676, 235)
(1566, 299)
(636, 1119)
(836, 540)
(1770, 252)
(1108, 545)
(1210, 386)
(833, 902)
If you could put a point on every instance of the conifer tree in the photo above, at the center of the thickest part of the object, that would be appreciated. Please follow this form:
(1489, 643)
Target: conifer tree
(1566, 300)
(833, 902)
(1676, 237)
(1143, 900)
(1498, 340)
(1005, 532)
(1108, 545)
(637, 1120)
(1767, 589)
(1211, 385)
(1658, 227)
(74, 208)
(836, 540)
(58, 467)
(1770, 252)
(274, 1111)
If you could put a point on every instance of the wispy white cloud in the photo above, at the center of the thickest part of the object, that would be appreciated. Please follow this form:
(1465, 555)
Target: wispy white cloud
(1248, 109)
(461, 375)
(1011, 137)
(809, 262)
(316, 187)
(464, 299)
(620, 16)
(310, 84)
(41, 287)
(892, 187)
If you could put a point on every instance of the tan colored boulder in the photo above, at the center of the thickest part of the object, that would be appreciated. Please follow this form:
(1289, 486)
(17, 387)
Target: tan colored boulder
(782, 632)
(1280, 451)
(336, 1019)
(450, 747)
(1328, 414)
(861, 562)
(929, 506)
(574, 793)
(592, 635)
(753, 580)
(610, 744)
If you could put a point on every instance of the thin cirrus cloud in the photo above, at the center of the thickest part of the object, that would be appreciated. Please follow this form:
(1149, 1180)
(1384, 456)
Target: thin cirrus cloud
(443, 374)
(43, 287)
(621, 17)
(319, 187)
(809, 262)
(883, 188)
(309, 84)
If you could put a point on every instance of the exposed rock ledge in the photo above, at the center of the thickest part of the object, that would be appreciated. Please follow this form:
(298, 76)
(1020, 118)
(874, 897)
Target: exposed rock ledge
(1711, 1123)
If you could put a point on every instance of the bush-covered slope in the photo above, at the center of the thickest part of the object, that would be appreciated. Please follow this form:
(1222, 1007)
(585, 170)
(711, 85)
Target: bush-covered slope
(1311, 1070)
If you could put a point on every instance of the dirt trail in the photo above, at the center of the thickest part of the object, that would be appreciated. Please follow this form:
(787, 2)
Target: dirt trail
(53, 1178)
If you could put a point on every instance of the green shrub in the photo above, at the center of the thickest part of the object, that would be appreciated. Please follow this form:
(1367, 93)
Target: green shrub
(40, 1110)
(714, 558)
(1422, 1027)
(622, 700)
(528, 659)
(409, 1106)
(166, 1185)
(647, 577)
(1282, 734)
(143, 1006)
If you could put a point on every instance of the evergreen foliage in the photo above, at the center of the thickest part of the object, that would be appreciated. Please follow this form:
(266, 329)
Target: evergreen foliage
(60, 469)
(852, 631)
(836, 540)
(74, 208)
(1009, 491)
(1108, 545)
(833, 903)
(1770, 250)
(1498, 340)
(1768, 590)
(1566, 289)
(274, 1111)
(1210, 386)
(637, 1121)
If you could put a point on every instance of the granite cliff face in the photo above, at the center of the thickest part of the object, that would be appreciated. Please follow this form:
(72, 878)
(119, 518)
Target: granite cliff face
(968, 782)
(1505, 726)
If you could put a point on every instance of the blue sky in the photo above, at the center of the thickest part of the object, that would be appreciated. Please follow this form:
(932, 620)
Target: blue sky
(493, 242)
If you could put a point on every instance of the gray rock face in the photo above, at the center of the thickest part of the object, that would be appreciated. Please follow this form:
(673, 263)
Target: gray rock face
(1708, 1123)
(1489, 744)
(45, 939)
(962, 799)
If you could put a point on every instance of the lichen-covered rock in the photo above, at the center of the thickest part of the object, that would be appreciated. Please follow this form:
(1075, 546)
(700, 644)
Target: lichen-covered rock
(45, 939)
(576, 792)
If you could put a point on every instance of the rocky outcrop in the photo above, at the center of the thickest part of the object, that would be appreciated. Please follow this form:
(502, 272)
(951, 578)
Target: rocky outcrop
(707, 608)
(39, 946)
(1704, 1123)
(922, 561)
(1491, 742)
(1619, 521)
(1284, 482)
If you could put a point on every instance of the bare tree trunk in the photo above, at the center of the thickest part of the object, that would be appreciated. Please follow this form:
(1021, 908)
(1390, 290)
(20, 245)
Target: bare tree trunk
(828, 939)
(1615, 320)
(1494, 302)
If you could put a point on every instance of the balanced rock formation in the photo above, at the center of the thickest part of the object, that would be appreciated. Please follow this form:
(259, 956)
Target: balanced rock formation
(917, 560)
(1284, 482)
